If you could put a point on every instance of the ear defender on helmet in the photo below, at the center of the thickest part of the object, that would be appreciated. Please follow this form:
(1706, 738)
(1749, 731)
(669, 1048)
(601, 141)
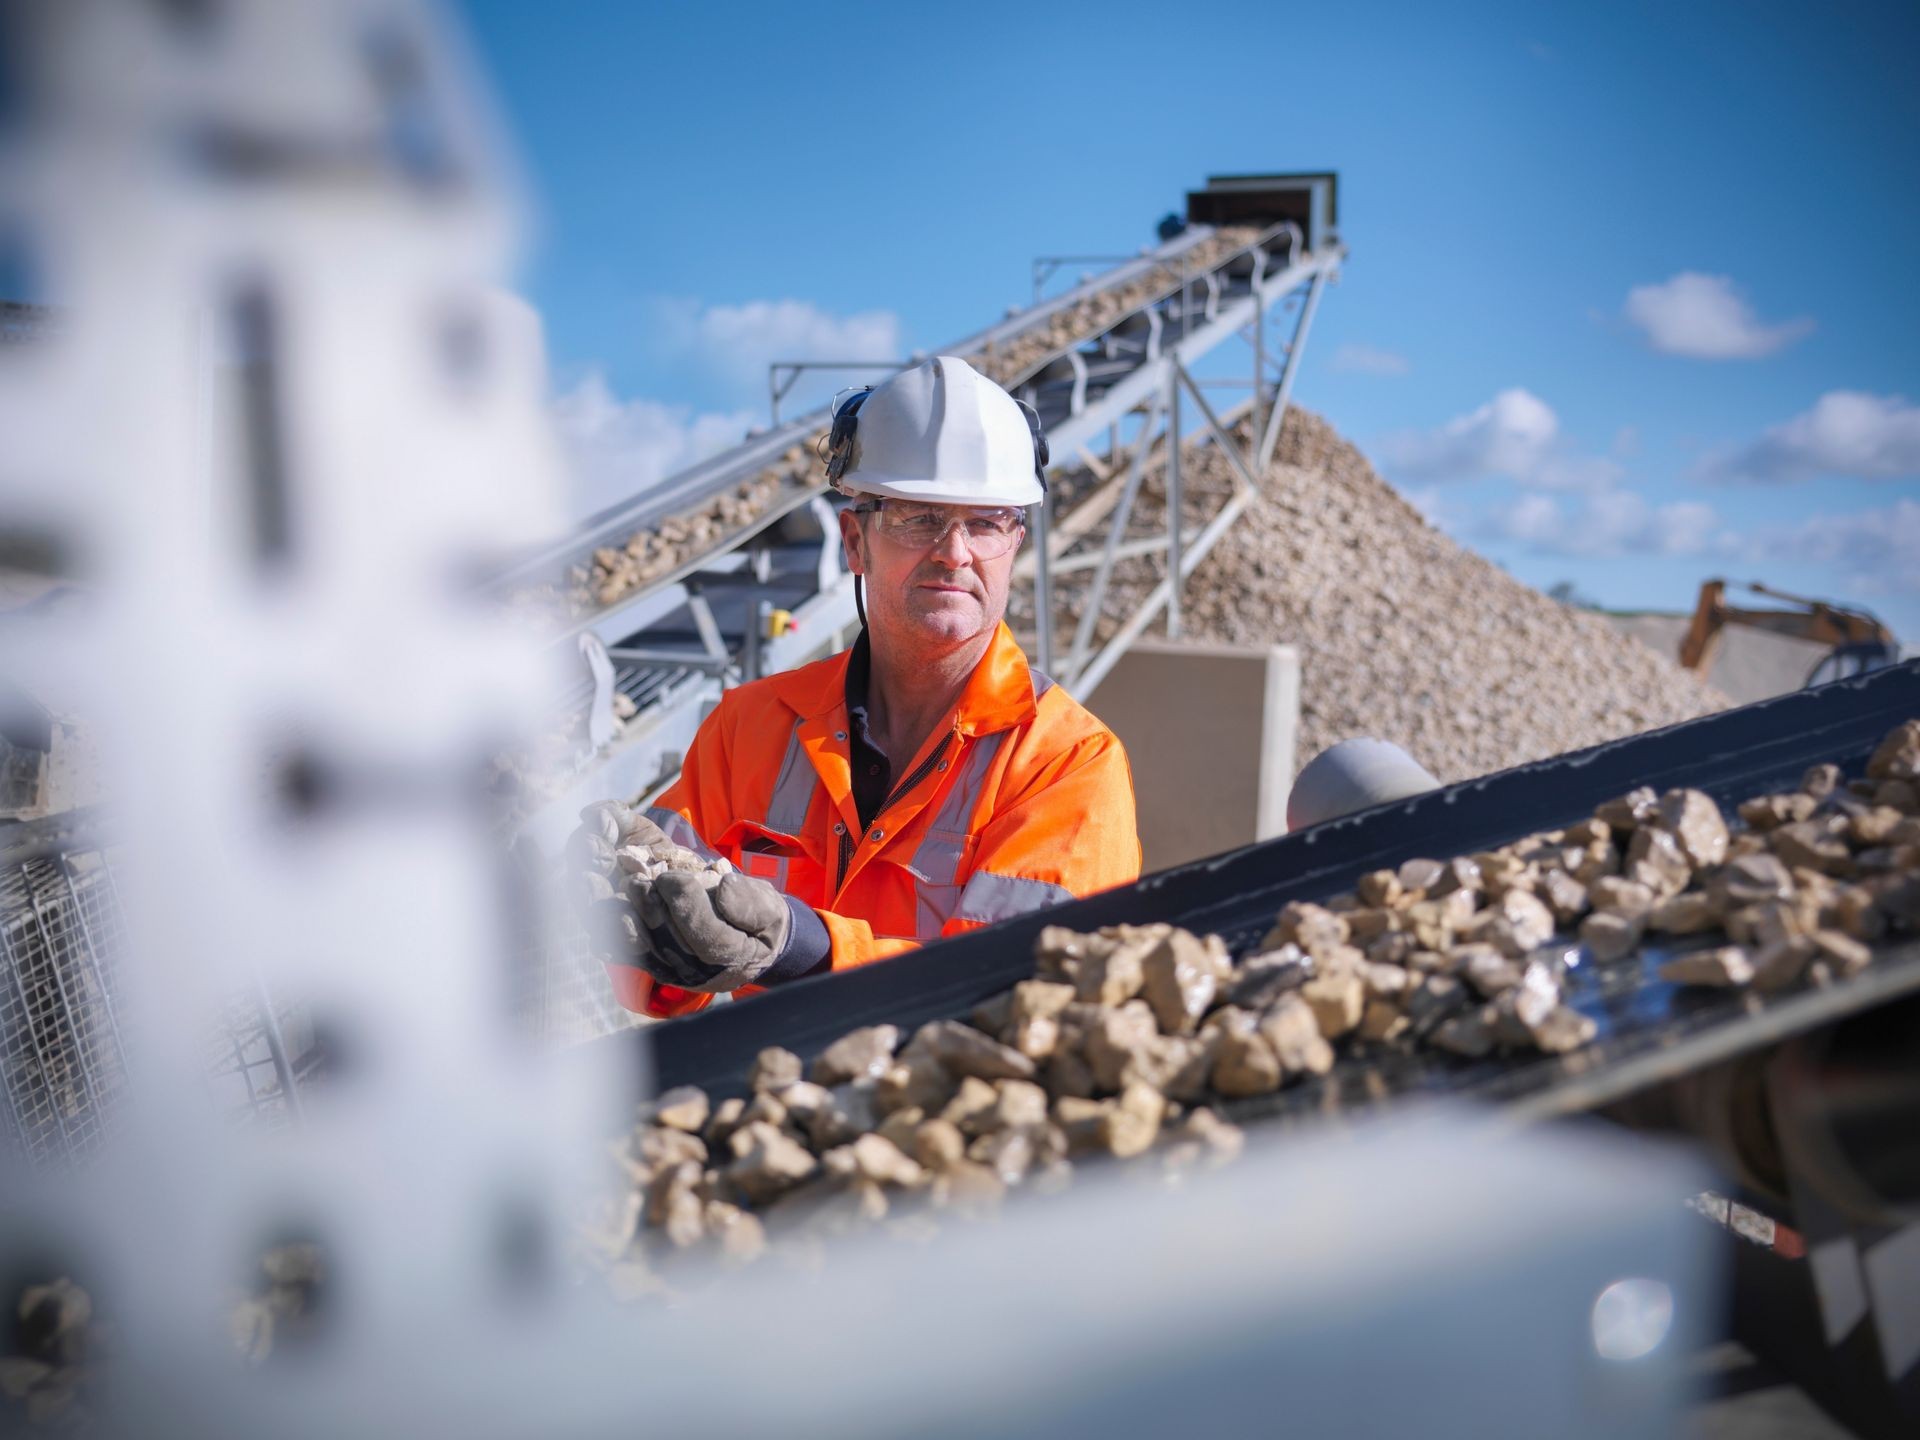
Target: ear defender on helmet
(839, 442)
(1041, 454)
(846, 420)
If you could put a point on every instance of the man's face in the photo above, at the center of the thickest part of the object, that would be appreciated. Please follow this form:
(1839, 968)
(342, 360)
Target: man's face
(928, 591)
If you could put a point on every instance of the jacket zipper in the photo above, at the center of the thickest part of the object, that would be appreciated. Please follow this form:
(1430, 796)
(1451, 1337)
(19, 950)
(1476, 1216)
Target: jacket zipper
(846, 857)
(919, 773)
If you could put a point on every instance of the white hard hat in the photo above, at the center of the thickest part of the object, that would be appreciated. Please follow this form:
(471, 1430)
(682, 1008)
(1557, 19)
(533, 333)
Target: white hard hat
(940, 432)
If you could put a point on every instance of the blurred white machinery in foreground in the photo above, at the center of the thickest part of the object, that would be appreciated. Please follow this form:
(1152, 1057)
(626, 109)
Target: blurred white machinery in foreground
(285, 421)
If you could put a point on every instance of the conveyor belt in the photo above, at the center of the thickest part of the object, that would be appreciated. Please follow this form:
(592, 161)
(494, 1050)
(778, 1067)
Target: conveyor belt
(1649, 1029)
(1122, 350)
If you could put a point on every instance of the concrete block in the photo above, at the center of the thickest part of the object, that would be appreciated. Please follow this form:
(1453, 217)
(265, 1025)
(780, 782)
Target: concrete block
(1209, 730)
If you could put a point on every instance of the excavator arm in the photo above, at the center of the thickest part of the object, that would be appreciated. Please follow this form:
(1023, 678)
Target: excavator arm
(1844, 629)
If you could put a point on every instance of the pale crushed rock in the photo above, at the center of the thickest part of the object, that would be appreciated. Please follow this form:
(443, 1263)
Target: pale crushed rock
(1403, 634)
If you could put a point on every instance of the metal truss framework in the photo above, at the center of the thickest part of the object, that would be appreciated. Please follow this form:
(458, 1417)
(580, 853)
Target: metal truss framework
(1151, 397)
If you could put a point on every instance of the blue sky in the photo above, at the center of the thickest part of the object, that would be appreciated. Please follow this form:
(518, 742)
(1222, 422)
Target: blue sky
(1631, 299)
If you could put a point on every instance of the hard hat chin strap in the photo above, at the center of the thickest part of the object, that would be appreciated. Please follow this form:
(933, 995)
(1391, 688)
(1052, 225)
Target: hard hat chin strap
(859, 603)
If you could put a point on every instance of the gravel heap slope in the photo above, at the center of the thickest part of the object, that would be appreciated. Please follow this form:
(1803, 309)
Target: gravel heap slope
(1403, 633)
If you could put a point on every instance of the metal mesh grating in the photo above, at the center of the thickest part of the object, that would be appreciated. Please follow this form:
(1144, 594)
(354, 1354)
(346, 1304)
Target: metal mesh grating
(258, 1059)
(61, 1060)
(559, 993)
(63, 1068)
(565, 995)
(63, 938)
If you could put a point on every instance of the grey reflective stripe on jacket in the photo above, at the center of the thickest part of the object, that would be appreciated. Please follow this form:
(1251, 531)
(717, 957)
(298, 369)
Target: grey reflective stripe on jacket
(989, 897)
(937, 858)
(986, 897)
(793, 791)
(676, 828)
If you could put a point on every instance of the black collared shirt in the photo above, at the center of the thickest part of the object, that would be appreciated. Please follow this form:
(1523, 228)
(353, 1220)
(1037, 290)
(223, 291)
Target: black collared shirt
(872, 771)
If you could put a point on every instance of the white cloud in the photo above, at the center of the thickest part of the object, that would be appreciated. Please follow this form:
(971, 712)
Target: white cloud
(617, 448)
(1847, 432)
(1533, 520)
(1588, 473)
(735, 343)
(1878, 550)
(1367, 360)
(1687, 527)
(620, 447)
(1510, 435)
(1707, 317)
(1516, 435)
(1607, 523)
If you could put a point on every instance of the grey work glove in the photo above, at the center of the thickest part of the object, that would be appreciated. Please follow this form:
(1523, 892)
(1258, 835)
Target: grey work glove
(686, 920)
(719, 936)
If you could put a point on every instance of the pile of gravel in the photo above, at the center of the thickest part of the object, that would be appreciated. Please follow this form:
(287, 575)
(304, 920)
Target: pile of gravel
(1403, 634)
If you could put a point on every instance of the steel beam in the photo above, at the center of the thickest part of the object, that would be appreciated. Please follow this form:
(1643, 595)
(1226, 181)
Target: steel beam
(1174, 517)
(703, 622)
(1131, 392)
(1123, 512)
(1085, 683)
(1042, 587)
(1277, 416)
(1259, 346)
(1082, 674)
(1222, 437)
(1125, 550)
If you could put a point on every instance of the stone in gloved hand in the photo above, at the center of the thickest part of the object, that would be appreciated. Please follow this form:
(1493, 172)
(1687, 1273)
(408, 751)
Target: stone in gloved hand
(715, 936)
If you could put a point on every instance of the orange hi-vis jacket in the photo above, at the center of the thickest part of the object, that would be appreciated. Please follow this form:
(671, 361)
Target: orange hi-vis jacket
(1022, 800)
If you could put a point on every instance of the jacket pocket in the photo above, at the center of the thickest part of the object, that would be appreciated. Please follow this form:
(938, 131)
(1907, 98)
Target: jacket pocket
(783, 862)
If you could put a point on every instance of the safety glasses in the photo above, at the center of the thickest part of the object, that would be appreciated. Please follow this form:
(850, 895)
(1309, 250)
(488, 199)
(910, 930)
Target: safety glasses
(987, 533)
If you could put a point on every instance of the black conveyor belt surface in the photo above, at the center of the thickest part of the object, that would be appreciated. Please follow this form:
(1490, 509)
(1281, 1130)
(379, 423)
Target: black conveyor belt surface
(1648, 1029)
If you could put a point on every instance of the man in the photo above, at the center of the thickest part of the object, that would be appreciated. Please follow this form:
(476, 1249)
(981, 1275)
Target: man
(925, 782)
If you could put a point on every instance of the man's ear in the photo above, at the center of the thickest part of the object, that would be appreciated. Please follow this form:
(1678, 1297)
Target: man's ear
(853, 542)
